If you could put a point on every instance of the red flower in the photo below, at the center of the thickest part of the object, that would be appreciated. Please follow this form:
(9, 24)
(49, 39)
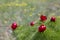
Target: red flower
(53, 19)
(14, 26)
(43, 18)
(42, 28)
(32, 23)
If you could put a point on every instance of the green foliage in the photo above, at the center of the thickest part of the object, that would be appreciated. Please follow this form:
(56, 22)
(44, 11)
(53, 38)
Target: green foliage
(24, 14)
(31, 33)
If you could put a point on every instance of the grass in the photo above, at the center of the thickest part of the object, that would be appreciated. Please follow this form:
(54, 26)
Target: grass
(31, 33)
(24, 11)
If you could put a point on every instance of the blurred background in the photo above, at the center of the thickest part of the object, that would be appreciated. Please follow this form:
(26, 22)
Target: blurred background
(24, 11)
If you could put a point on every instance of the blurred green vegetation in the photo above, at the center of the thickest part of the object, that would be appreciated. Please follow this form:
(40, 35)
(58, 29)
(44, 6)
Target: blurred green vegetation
(24, 11)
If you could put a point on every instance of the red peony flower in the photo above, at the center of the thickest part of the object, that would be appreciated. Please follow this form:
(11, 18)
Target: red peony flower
(43, 18)
(32, 23)
(14, 26)
(42, 28)
(53, 19)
